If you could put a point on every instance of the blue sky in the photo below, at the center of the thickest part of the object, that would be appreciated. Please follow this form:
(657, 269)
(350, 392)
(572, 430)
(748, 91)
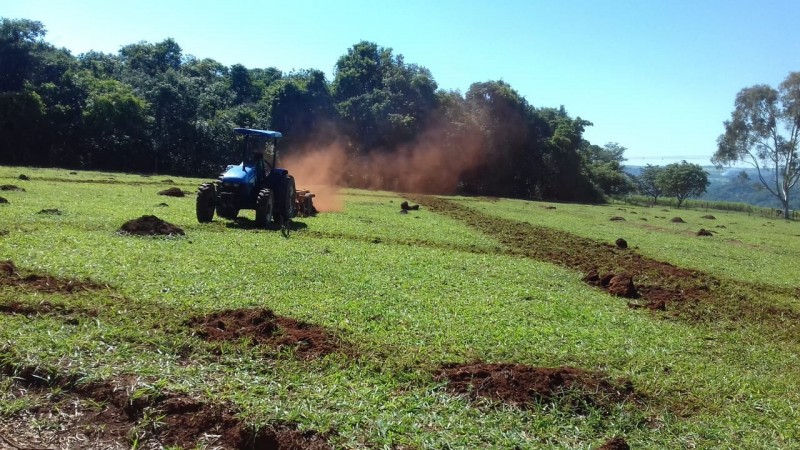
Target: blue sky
(658, 77)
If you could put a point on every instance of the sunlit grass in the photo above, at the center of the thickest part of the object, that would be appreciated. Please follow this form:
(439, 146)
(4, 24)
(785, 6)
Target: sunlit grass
(405, 292)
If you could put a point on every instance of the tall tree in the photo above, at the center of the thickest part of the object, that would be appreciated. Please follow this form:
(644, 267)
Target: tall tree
(682, 180)
(605, 168)
(763, 132)
(647, 182)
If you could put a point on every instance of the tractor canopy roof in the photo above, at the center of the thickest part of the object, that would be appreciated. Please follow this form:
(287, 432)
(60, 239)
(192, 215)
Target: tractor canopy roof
(264, 133)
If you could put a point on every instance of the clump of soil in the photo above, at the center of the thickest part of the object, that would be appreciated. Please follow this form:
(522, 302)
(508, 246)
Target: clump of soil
(150, 226)
(406, 207)
(107, 412)
(50, 211)
(704, 232)
(11, 187)
(45, 307)
(616, 443)
(173, 192)
(523, 386)
(162, 205)
(617, 219)
(23, 177)
(549, 207)
(621, 243)
(619, 285)
(263, 327)
(10, 276)
(677, 220)
(168, 181)
(710, 217)
(3, 200)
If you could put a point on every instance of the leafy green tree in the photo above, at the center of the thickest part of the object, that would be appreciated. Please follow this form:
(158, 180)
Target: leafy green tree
(604, 165)
(763, 131)
(647, 182)
(682, 180)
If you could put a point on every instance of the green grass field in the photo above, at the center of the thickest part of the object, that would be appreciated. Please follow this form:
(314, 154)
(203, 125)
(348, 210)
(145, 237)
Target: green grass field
(403, 294)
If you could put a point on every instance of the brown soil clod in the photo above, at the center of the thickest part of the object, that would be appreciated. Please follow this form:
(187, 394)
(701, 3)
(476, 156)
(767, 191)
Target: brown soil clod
(11, 187)
(3, 200)
(173, 192)
(51, 211)
(523, 386)
(616, 443)
(619, 285)
(23, 177)
(704, 232)
(549, 207)
(617, 219)
(677, 220)
(263, 327)
(406, 207)
(621, 243)
(150, 226)
(709, 217)
(10, 276)
(107, 412)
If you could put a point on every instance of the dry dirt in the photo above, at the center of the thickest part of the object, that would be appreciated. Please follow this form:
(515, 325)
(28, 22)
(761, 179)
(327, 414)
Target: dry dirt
(107, 415)
(523, 386)
(263, 327)
(150, 226)
(10, 276)
(173, 192)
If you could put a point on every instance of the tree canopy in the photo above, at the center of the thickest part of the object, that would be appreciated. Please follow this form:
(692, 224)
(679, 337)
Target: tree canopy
(763, 131)
(682, 180)
(152, 108)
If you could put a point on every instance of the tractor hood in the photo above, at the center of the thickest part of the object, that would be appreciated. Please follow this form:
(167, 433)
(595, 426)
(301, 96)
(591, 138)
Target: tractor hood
(239, 174)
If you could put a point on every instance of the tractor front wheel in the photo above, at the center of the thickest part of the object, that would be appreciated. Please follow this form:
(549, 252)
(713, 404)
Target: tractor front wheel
(264, 203)
(206, 196)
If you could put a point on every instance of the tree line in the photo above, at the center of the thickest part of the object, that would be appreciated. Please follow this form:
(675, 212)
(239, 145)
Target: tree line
(151, 108)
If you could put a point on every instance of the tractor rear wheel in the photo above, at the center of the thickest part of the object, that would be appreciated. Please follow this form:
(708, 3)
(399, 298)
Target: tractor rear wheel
(264, 203)
(206, 196)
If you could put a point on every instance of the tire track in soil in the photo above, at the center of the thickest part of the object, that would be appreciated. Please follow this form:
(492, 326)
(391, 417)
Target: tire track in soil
(685, 294)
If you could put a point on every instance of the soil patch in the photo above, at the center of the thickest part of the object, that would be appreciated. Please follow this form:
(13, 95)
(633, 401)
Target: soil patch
(677, 220)
(523, 386)
(620, 285)
(621, 243)
(3, 200)
(263, 327)
(11, 187)
(45, 307)
(150, 226)
(617, 219)
(109, 415)
(704, 232)
(616, 443)
(10, 276)
(24, 177)
(709, 217)
(173, 192)
(50, 211)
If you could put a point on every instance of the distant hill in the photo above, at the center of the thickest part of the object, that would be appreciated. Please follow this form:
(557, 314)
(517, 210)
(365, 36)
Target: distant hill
(729, 185)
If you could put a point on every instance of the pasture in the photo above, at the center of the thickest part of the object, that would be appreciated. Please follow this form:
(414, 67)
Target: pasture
(470, 323)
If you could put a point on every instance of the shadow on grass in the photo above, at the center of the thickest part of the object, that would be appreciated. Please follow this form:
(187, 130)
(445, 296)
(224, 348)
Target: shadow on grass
(244, 223)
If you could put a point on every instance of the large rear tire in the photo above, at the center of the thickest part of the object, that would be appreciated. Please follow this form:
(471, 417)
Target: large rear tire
(206, 196)
(264, 206)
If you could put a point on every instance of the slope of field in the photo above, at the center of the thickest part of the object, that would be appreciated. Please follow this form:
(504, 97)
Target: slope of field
(465, 324)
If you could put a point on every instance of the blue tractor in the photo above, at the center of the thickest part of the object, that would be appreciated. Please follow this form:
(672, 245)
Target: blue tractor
(256, 184)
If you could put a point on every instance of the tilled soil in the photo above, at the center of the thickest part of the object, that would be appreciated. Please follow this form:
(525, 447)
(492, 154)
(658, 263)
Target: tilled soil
(263, 327)
(9, 276)
(523, 386)
(108, 415)
(150, 226)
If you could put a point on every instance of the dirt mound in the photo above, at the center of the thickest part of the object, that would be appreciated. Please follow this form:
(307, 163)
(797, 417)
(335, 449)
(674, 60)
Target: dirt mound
(523, 386)
(11, 187)
(617, 219)
(108, 412)
(173, 192)
(10, 276)
(621, 243)
(51, 211)
(677, 220)
(24, 177)
(619, 285)
(616, 443)
(406, 207)
(710, 217)
(704, 232)
(150, 226)
(263, 327)
(549, 207)
(3, 200)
